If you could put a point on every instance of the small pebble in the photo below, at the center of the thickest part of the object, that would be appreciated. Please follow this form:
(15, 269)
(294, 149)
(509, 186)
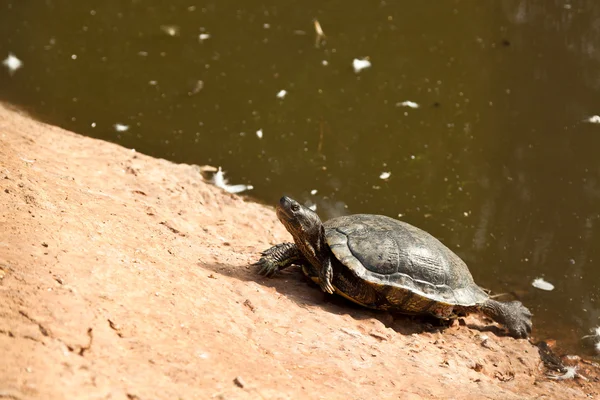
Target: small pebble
(239, 382)
(249, 304)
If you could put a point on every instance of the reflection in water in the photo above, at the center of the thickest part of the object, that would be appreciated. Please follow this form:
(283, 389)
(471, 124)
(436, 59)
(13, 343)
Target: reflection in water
(496, 160)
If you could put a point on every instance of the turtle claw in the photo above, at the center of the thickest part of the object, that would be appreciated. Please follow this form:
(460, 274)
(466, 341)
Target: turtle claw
(327, 287)
(266, 267)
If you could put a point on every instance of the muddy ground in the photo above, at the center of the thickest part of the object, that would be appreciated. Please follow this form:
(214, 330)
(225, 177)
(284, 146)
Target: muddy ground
(127, 277)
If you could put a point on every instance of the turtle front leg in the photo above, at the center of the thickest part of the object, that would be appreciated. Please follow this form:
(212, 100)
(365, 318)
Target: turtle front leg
(278, 257)
(513, 315)
(326, 276)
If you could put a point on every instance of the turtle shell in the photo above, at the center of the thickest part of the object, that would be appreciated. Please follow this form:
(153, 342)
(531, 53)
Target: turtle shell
(409, 267)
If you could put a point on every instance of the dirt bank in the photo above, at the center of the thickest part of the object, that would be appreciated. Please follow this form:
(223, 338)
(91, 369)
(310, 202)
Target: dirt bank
(126, 277)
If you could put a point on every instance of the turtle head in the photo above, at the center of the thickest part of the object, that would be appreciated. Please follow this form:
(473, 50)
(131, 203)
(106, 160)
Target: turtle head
(303, 223)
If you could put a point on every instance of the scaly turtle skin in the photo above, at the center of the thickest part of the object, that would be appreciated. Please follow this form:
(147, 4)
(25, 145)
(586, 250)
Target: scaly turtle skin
(385, 264)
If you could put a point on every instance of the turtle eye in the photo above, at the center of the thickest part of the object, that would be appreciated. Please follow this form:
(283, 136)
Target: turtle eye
(295, 207)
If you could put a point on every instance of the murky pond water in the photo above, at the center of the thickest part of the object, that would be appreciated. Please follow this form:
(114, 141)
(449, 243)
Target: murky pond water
(498, 160)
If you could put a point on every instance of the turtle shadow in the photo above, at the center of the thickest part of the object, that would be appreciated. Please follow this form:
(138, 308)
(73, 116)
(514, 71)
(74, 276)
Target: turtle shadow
(306, 294)
(489, 328)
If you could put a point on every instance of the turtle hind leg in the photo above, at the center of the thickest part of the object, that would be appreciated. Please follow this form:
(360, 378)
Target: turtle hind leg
(278, 257)
(513, 315)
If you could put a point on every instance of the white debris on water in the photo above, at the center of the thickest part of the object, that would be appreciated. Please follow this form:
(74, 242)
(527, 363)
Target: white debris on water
(220, 181)
(313, 192)
(313, 207)
(595, 333)
(359, 64)
(203, 36)
(408, 103)
(325, 63)
(259, 133)
(596, 337)
(320, 34)
(540, 283)
(385, 175)
(218, 178)
(594, 119)
(121, 127)
(281, 94)
(12, 63)
(570, 374)
(198, 86)
(171, 30)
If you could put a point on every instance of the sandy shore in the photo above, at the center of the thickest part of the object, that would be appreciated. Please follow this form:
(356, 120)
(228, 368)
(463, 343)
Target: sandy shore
(126, 277)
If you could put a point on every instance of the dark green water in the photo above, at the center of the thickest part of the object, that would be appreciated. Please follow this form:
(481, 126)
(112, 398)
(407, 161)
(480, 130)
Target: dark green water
(496, 161)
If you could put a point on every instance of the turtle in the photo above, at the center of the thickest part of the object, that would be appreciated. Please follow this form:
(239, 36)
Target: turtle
(385, 264)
